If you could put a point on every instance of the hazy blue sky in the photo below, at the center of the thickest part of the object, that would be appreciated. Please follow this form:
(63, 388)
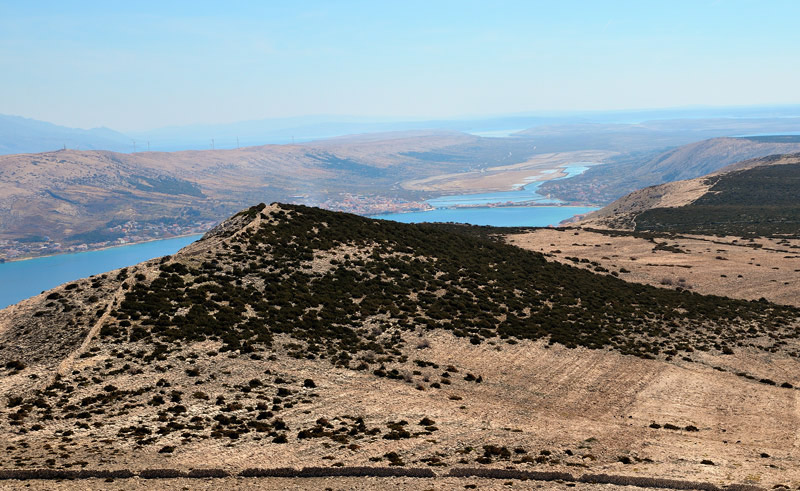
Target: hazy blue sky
(137, 64)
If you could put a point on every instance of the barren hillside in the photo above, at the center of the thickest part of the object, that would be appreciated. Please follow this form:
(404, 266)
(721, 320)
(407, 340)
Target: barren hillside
(633, 172)
(730, 266)
(294, 337)
(50, 201)
(750, 198)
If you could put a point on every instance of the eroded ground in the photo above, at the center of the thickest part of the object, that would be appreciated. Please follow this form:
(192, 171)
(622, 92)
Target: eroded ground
(729, 266)
(552, 408)
(97, 376)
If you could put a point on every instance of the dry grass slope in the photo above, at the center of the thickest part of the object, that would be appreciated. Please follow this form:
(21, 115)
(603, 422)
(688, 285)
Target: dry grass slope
(298, 338)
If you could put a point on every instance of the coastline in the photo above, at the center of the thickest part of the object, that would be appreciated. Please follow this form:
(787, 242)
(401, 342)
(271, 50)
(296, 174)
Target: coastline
(509, 216)
(24, 279)
(541, 175)
(539, 168)
(519, 195)
(496, 206)
(28, 258)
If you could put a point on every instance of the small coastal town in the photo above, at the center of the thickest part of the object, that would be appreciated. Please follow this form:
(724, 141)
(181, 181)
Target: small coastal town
(133, 231)
(130, 232)
(368, 205)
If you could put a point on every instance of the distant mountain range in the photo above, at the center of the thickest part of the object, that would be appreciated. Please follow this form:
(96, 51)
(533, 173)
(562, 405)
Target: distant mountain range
(631, 128)
(23, 135)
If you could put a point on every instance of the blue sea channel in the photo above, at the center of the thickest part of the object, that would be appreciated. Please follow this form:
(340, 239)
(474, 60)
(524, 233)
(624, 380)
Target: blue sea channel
(489, 209)
(22, 279)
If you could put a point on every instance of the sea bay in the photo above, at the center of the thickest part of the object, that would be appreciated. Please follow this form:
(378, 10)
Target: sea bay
(492, 208)
(510, 216)
(527, 192)
(22, 279)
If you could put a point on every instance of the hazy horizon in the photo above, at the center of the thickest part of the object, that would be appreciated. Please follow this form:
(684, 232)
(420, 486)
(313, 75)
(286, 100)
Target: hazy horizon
(576, 115)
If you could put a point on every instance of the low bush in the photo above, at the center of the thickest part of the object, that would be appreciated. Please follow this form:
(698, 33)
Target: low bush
(20, 474)
(105, 474)
(647, 482)
(161, 474)
(277, 472)
(365, 472)
(204, 473)
(338, 472)
(511, 474)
